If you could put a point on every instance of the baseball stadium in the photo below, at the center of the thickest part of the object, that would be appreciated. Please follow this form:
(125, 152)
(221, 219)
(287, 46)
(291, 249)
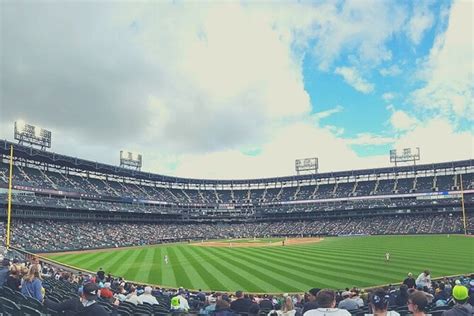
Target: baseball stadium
(236, 158)
(360, 228)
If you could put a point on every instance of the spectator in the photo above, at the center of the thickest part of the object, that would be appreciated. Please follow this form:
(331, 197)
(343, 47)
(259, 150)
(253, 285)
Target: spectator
(402, 296)
(100, 275)
(179, 303)
(4, 271)
(326, 300)
(462, 306)
(210, 308)
(146, 297)
(105, 292)
(356, 298)
(379, 304)
(347, 303)
(417, 303)
(266, 303)
(13, 280)
(423, 280)
(311, 300)
(86, 305)
(32, 284)
(241, 304)
(223, 308)
(410, 281)
(288, 309)
(132, 296)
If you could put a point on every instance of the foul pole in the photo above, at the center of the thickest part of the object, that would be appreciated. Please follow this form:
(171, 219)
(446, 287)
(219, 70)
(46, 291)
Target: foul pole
(9, 212)
(462, 206)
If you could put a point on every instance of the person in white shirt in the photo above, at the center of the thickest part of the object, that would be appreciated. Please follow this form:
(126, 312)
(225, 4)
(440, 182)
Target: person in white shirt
(378, 302)
(424, 279)
(146, 297)
(132, 296)
(326, 300)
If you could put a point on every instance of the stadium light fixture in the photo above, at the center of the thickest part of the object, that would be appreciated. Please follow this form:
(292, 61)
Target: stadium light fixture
(407, 155)
(130, 160)
(307, 165)
(32, 135)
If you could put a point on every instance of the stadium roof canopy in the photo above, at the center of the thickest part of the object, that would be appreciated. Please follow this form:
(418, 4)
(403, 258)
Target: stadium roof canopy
(34, 154)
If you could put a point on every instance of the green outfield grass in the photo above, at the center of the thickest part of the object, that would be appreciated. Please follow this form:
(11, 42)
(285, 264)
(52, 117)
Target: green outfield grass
(334, 262)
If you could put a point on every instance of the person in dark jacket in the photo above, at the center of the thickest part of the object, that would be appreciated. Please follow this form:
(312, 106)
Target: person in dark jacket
(311, 300)
(410, 281)
(462, 307)
(4, 271)
(13, 280)
(86, 305)
(241, 304)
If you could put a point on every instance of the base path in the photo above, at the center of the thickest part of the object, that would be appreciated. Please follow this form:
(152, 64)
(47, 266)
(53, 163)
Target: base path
(261, 243)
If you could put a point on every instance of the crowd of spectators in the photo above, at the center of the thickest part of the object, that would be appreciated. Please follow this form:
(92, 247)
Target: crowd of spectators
(30, 285)
(47, 235)
(113, 187)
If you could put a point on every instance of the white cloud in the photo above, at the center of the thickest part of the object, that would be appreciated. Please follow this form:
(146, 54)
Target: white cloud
(421, 21)
(353, 78)
(401, 121)
(324, 114)
(438, 142)
(388, 96)
(448, 71)
(361, 29)
(370, 139)
(393, 70)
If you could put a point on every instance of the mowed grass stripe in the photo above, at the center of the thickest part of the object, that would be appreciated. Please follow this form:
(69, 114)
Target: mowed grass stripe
(180, 273)
(140, 266)
(101, 261)
(332, 261)
(122, 267)
(269, 282)
(273, 271)
(245, 283)
(155, 272)
(205, 270)
(305, 270)
(78, 259)
(197, 282)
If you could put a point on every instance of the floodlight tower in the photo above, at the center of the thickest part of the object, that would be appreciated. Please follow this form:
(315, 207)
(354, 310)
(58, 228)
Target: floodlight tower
(130, 160)
(33, 135)
(406, 156)
(307, 165)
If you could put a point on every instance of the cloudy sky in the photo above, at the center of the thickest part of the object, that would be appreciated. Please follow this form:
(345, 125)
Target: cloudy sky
(223, 89)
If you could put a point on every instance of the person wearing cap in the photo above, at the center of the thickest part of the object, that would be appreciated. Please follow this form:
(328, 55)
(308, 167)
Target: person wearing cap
(462, 306)
(348, 303)
(86, 305)
(4, 271)
(311, 300)
(410, 281)
(105, 291)
(378, 302)
(326, 300)
(146, 297)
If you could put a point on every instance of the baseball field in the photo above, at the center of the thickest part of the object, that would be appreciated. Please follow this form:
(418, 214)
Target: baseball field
(265, 265)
